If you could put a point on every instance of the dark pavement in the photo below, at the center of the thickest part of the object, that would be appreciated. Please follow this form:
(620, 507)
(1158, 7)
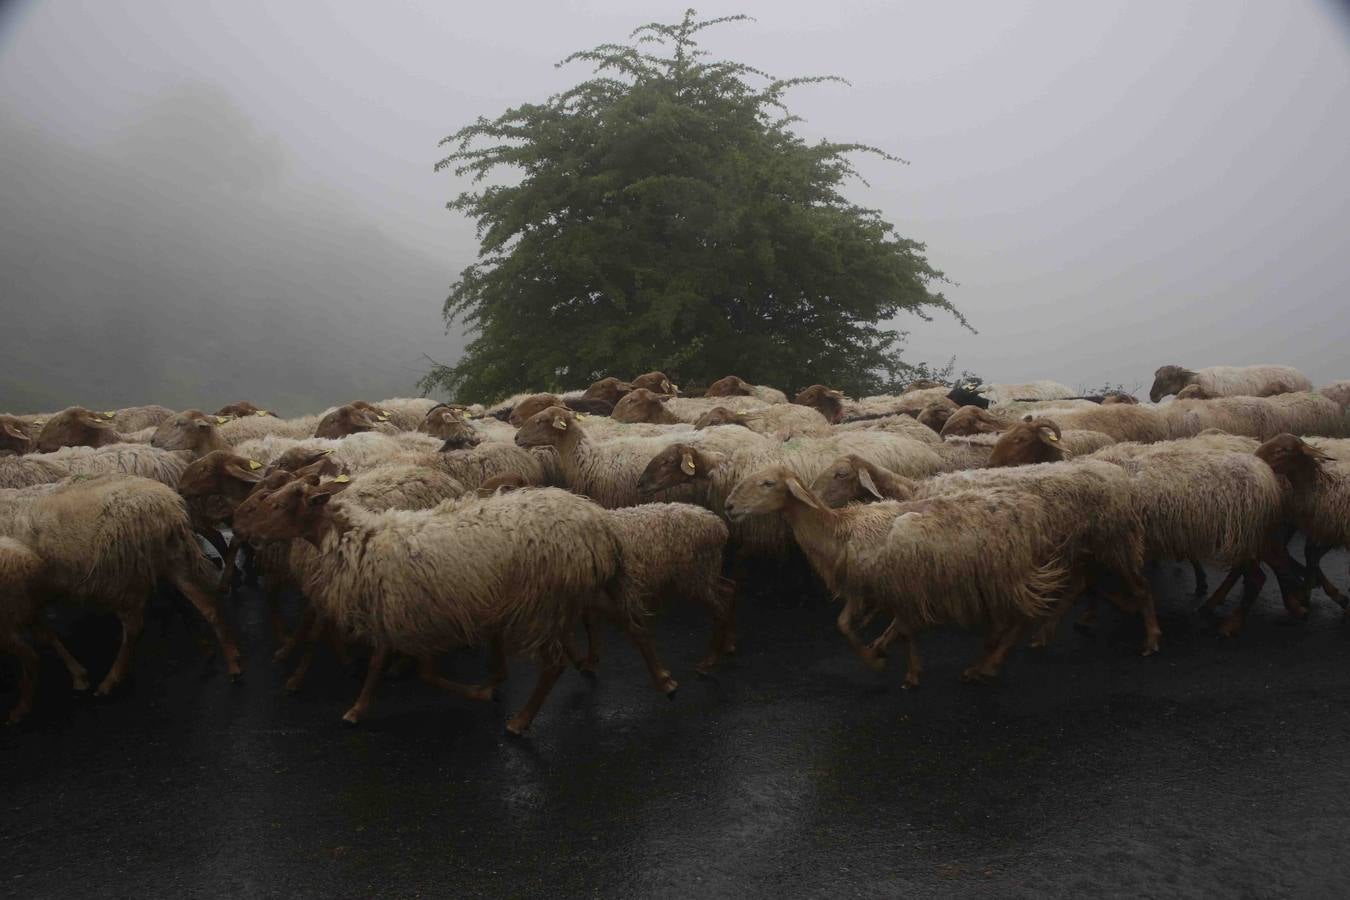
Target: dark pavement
(1218, 768)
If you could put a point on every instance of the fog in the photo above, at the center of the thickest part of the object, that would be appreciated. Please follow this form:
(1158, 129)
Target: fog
(221, 200)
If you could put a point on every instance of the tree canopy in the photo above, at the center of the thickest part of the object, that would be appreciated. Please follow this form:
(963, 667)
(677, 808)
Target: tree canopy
(664, 215)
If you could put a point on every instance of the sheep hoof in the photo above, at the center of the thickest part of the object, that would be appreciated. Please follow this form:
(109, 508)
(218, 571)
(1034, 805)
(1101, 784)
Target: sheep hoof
(1150, 650)
(516, 728)
(351, 719)
(977, 676)
(669, 688)
(1229, 627)
(873, 658)
(910, 682)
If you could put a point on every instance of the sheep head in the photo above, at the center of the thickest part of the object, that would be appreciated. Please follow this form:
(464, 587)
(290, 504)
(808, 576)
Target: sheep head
(530, 406)
(191, 430)
(15, 436)
(720, 415)
(657, 383)
(1028, 442)
(507, 481)
(677, 464)
(296, 509)
(303, 459)
(936, 414)
(969, 420)
(241, 408)
(641, 405)
(77, 427)
(550, 427)
(1291, 457)
(826, 401)
(1169, 380)
(610, 390)
(730, 386)
(221, 474)
(768, 491)
(1115, 397)
(448, 424)
(345, 420)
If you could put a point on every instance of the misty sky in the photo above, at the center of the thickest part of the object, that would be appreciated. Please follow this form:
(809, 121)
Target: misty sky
(208, 201)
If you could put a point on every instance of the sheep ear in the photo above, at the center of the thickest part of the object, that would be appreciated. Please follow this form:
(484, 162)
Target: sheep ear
(560, 423)
(865, 479)
(13, 432)
(687, 463)
(239, 473)
(803, 493)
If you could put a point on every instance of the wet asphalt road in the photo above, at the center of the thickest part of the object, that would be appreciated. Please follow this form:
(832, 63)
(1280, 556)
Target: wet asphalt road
(1216, 769)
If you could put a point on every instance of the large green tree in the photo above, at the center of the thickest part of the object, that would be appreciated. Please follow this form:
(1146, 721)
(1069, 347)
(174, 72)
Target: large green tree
(664, 215)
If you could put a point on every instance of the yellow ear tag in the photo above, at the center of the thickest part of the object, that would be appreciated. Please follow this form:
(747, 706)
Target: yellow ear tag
(328, 451)
(687, 464)
(221, 420)
(254, 464)
(261, 412)
(560, 424)
(342, 479)
(108, 415)
(583, 416)
(1051, 436)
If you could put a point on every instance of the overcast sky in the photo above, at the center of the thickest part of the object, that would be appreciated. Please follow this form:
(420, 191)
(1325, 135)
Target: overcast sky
(202, 201)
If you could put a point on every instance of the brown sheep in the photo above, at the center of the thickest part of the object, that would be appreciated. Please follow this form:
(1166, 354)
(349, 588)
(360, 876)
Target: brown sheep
(730, 386)
(610, 390)
(1028, 442)
(15, 436)
(241, 408)
(448, 424)
(345, 420)
(970, 420)
(656, 382)
(829, 403)
(936, 414)
(78, 427)
(642, 405)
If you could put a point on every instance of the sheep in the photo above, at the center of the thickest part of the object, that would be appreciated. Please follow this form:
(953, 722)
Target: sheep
(1112, 397)
(656, 382)
(1319, 498)
(611, 390)
(1229, 381)
(1121, 422)
(640, 405)
(240, 408)
(1258, 417)
(781, 421)
(972, 559)
(106, 542)
(16, 435)
(139, 418)
(78, 427)
(22, 472)
(1034, 390)
(606, 472)
(213, 486)
(880, 405)
(1199, 503)
(21, 601)
(471, 468)
(515, 571)
(936, 414)
(357, 451)
(345, 420)
(447, 424)
(406, 413)
(1091, 498)
(191, 430)
(249, 428)
(969, 420)
(689, 409)
(829, 403)
(899, 424)
(731, 386)
(164, 466)
(1338, 391)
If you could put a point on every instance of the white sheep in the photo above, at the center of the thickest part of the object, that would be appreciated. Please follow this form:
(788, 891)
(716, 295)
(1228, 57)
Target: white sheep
(1229, 381)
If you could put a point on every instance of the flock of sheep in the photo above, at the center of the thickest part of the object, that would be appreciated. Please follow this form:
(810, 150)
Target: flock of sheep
(412, 527)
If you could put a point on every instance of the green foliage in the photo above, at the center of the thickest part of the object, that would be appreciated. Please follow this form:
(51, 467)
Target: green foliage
(663, 215)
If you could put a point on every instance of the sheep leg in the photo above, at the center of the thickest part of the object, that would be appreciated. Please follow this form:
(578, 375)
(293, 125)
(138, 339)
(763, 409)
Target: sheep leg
(363, 700)
(426, 670)
(1201, 579)
(288, 645)
(1148, 611)
(339, 647)
(16, 646)
(886, 638)
(133, 621)
(206, 605)
(1221, 592)
(1312, 558)
(79, 676)
(870, 657)
(592, 660)
(721, 602)
(1253, 579)
(497, 661)
(661, 679)
(1290, 576)
(1000, 641)
(226, 573)
(250, 562)
(549, 673)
